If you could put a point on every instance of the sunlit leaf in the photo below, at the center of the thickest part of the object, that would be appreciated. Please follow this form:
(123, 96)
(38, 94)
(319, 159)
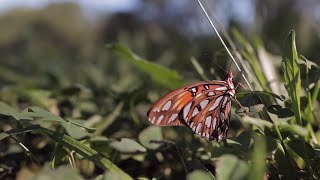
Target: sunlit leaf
(85, 151)
(7, 110)
(127, 146)
(61, 172)
(74, 131)
(258, 165)
(229, 167)
(291, 73)
(150, 137)
(198, 174)
(45, 115)
(161, 75)
(285, 164)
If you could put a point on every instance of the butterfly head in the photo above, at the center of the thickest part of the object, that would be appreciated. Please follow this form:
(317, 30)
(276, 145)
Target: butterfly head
(228, 76)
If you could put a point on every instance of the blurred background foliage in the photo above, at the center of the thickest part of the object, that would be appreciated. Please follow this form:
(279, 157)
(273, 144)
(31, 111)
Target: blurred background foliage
(56, 58)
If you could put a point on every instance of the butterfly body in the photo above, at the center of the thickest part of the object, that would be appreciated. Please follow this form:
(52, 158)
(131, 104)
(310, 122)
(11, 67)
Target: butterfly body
(204, 107)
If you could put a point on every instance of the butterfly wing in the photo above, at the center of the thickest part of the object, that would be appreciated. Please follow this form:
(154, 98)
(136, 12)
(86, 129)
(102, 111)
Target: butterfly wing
(171, 108)
(213, 120)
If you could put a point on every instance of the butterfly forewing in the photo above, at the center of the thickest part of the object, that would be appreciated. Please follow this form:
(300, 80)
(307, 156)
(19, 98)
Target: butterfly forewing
(204, 107)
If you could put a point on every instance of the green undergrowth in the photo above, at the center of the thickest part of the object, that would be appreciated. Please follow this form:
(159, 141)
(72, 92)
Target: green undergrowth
(101, 133)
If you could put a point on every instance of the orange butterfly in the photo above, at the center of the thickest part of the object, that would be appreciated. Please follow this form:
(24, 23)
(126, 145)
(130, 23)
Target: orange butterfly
(204, 107)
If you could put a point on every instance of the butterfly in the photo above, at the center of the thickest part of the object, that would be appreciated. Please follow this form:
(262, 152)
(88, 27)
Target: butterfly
(204, 107)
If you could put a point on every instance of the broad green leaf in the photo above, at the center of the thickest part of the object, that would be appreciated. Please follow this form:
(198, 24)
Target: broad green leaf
(74, 131)
(87, 152)
(7, 110)
(80, 123)
(127, 146)
(199, 175)
(45, 115)
(278, 113)
(285, 164)
(101, 144)
(111, 175)
(229, 167)
(302, 148)
(161, 75)
(260, 93)
(291, 73)
(150, 137)
(61, 172)
(258, 163)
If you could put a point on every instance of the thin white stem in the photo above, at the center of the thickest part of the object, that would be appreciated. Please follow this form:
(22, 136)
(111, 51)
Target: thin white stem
(214, 28)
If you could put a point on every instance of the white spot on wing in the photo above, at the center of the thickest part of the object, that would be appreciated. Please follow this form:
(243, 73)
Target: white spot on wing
(198, 95)
(216, 103)
(167, 106)
(194, 128)
(198, 128)
(191, 124)
(225, 101)
(223, 88)
(154, 118)
(222, 117)
(160, 119)
(208, 121)
(211, 93)
(204, 103)
(214, 123)
(172, 117)
(186, 110)
(195, 111)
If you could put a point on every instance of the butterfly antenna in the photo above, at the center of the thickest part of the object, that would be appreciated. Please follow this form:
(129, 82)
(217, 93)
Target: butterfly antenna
(225, 46)
(220, 67)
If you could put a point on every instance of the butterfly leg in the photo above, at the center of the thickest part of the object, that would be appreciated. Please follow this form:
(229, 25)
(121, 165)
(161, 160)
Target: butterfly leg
(240, 84)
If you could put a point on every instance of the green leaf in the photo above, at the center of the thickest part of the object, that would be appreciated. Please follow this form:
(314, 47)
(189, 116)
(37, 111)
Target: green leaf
(293, 128)
(150, 137)
(257, 122)
(61, 172)
(291, 73)
(277, 112)
(45, 115)
(285, 164)
(7, 110)
(111, 175)
(128, 146)
(260, 94)
(161, 75)
(74, 131)
(3, 135)
(257, 169)
(199, 175)
(229, 167)
(85, 151)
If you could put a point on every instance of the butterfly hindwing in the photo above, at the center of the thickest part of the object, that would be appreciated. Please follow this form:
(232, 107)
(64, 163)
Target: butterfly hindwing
(208, 116)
